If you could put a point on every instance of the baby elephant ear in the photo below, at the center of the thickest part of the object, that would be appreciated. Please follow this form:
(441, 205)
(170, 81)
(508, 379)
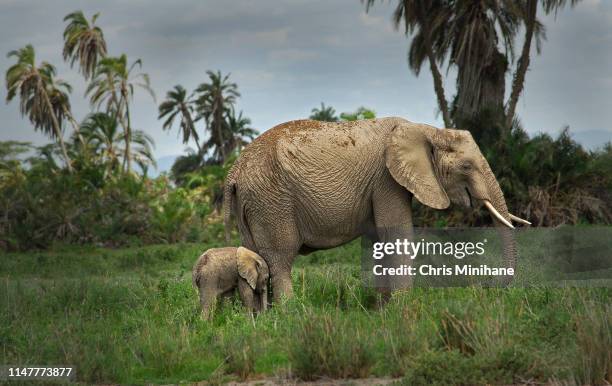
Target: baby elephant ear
(409, 158)
(247, 266)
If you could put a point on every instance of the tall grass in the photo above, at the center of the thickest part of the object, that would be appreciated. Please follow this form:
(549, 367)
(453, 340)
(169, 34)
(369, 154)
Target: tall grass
(132, 316)
(594, 339)
(328, 344)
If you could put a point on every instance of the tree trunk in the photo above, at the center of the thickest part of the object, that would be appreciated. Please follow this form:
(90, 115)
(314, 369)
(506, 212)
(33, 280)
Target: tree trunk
(221, 142)
(439, 89)
(523, 63)
(58, 131)
(75, 125)
(127, 129)
(219, 124)
(480, 86)
(196, 137)
(437, 77)
(64, 152)
(128, 139)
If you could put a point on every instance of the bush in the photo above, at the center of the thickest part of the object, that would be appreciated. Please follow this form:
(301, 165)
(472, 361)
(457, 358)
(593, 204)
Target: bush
(40, 207)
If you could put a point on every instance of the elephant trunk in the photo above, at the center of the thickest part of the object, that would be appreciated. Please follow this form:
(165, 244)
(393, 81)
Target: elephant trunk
(501, 218)
(264, 299)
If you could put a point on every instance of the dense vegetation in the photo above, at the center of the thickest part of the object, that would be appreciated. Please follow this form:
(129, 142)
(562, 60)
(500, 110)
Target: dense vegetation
(85, 189)
(43, 205)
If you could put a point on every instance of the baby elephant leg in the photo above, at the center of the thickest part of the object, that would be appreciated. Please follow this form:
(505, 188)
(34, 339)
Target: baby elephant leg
(247, 295)
(208, 300)
(227, 296)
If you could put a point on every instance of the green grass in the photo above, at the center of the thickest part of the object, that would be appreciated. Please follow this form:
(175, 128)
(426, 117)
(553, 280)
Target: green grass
(131, 316)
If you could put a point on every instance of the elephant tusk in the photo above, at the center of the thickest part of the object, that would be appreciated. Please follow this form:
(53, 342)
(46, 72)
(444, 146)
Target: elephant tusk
(498, 216)
(518, 219)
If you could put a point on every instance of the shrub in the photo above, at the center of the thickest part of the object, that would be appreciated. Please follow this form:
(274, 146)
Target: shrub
(41, 205)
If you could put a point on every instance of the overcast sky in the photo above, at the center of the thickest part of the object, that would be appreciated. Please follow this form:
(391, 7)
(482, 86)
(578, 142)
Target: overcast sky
(288, 56)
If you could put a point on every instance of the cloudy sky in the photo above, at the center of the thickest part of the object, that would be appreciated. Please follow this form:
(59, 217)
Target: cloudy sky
(289, 56)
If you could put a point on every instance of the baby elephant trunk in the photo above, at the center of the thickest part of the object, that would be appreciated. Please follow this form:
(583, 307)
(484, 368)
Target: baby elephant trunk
(264, 298)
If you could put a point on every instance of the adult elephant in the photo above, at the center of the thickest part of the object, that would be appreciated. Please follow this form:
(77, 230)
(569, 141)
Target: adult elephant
(306, 185)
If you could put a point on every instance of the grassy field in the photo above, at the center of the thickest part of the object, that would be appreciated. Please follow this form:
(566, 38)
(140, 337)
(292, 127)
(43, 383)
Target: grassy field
(131, 316)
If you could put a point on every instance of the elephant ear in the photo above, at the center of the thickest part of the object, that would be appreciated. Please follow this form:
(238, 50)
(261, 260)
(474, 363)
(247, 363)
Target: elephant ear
(247, 266)
(409, 158)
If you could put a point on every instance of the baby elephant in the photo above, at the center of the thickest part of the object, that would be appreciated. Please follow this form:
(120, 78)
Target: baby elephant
(220, 270)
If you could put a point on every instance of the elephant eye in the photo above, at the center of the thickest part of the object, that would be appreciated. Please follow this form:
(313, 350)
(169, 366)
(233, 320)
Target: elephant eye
(466, 166)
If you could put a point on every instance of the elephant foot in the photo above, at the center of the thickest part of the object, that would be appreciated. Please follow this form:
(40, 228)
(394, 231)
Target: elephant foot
(282, 287)
(281, 297)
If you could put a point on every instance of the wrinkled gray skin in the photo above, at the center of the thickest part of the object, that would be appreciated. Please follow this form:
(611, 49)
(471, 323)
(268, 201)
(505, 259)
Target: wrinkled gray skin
(307, 185)
(219, 271)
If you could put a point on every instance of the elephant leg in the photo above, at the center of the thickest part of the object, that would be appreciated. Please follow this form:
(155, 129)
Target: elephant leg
(393, 220)
(278, 242)
(247, 295)
(282, 288)
(208, 300)
(227, 296)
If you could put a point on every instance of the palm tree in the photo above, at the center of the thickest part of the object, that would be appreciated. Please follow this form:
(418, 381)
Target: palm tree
(464, 32)
(426, 21)
(101, 132)
(142, 153)
(214, 102)
(527, 10)
(42, 98)
(477, 37)
(325, 113)
(104, 87)
(177, 103)
(83, 42)
(114, 82)
(240, 130)
(473, 36)
(58, 93)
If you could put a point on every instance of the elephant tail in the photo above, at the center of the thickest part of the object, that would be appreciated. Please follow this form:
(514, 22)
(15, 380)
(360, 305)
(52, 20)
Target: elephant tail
(229, 192)
(232, 205)
(196, 275)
